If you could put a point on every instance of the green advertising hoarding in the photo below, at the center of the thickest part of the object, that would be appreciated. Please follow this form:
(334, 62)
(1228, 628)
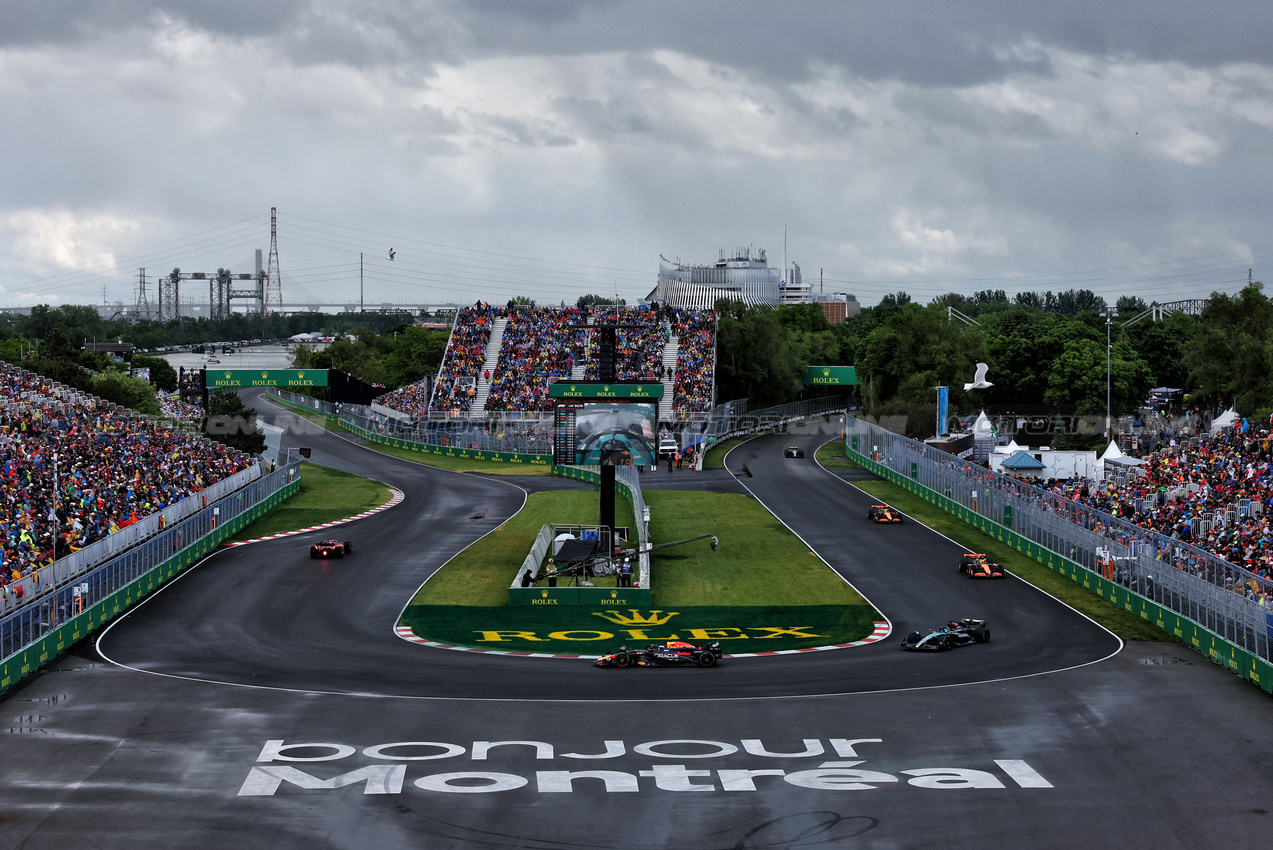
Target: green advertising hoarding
(831, 376)
(235, 378)
(576, 389)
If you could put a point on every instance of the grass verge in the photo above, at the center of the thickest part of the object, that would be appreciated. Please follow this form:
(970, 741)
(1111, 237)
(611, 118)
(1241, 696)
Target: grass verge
(758, 563)
(463, 464)
(1120, 622)
(325, 495)
(762, 590)
(833, 455)
(480, 575)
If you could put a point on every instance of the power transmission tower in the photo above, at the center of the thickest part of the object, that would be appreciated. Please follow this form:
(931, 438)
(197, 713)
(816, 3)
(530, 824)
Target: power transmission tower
(143, 300)
(273, 283)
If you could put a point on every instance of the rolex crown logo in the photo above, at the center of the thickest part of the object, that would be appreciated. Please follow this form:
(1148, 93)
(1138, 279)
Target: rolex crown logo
(614, 594)
(544, 594)
(826, 373)
(633, 617)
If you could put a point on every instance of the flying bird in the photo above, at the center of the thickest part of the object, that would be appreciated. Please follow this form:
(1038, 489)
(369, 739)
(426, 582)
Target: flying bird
(391, 253)
(979, 381)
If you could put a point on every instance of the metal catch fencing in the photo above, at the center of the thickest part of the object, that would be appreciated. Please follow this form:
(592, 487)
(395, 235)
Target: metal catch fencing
(519, 433)
(44, 580)
(28, 624)
(1227, 600)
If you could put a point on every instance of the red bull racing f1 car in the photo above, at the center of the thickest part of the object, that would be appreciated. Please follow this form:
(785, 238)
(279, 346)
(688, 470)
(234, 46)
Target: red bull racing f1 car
(675, 653)
(883, 513)
(979, 566)
(330, 549)
(953, 634)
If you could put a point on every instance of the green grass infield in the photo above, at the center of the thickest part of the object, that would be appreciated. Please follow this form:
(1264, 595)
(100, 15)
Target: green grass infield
(325, 495)
(582, 631)
(762, 590)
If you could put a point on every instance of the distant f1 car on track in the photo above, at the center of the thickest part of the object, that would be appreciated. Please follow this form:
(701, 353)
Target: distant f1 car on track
(675, 653)
(976, 565)
(953, 634)
(883, 513)
(330, 549)
(793, 451)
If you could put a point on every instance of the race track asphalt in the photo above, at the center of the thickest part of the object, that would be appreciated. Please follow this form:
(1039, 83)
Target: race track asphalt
(1055, 739)
(267, 614)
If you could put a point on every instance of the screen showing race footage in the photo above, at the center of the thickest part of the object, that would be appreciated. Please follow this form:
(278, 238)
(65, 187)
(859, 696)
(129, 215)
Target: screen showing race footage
(607, 433)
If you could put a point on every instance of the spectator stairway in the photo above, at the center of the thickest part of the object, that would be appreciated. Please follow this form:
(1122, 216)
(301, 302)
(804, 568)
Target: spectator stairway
(488, 367)
(668, 376)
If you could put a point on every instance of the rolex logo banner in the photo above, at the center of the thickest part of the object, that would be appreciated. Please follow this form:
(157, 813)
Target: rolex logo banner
(580, 631)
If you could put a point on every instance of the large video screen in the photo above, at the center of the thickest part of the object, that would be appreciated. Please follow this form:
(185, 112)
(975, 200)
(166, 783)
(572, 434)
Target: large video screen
(615, 433)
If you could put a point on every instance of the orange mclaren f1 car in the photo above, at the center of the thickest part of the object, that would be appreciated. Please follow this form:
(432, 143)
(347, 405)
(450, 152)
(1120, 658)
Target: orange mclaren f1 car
(976, 565)
(883, 513)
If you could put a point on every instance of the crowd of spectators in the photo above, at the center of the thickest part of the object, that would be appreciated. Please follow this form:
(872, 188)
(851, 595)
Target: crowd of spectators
(539, 345)
(693, 388)
(1212, 493)
(73, 471)
(413, 399)
(179, 410)
(457, 379)
(638, 351)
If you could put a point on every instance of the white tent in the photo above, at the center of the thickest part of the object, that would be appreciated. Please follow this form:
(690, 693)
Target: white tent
(1112, 451)
(1224, 420)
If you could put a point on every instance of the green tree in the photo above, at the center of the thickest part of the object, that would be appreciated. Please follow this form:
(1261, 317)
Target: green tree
(1230, 357)
(1130, 305)
(1076, 380)
(1162, 346)
(162, 374)
(232, 423)
(755, 357)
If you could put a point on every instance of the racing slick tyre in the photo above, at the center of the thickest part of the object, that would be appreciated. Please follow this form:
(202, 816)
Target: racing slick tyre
(312, 554)
(912, 639)
(946, 643)
(349, 547)
(623, 660)
(985, 638)
(707, 660)
(339, 553)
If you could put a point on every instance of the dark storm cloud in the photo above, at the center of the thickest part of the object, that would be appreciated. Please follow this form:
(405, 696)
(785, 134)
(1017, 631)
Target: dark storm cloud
(39, 23)
(937, 43)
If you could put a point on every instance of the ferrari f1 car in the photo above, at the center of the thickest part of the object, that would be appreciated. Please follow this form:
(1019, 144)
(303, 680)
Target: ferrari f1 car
(793, 451)
(883, 513)
(953, 634)
(330, 549)
(675, 653)
(979, 566)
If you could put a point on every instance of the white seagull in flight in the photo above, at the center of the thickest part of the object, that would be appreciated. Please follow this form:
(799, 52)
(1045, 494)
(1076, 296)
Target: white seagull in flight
(979, 381)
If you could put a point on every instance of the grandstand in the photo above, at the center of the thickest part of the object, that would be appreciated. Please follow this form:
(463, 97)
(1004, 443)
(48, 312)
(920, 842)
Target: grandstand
(76, 470)
(501, 360)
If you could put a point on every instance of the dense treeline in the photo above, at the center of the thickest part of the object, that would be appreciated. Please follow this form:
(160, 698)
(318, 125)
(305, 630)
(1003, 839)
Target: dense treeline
(81, 323)
(1046, 353)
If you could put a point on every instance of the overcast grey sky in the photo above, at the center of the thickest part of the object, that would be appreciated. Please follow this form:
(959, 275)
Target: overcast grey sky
(552, 148)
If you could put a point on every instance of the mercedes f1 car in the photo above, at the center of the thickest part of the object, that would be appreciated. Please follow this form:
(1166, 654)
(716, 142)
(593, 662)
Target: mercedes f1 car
(793, 451)
(330, 549)
(883, 513)
(953, 634)
(979, 566)
(675, 653)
